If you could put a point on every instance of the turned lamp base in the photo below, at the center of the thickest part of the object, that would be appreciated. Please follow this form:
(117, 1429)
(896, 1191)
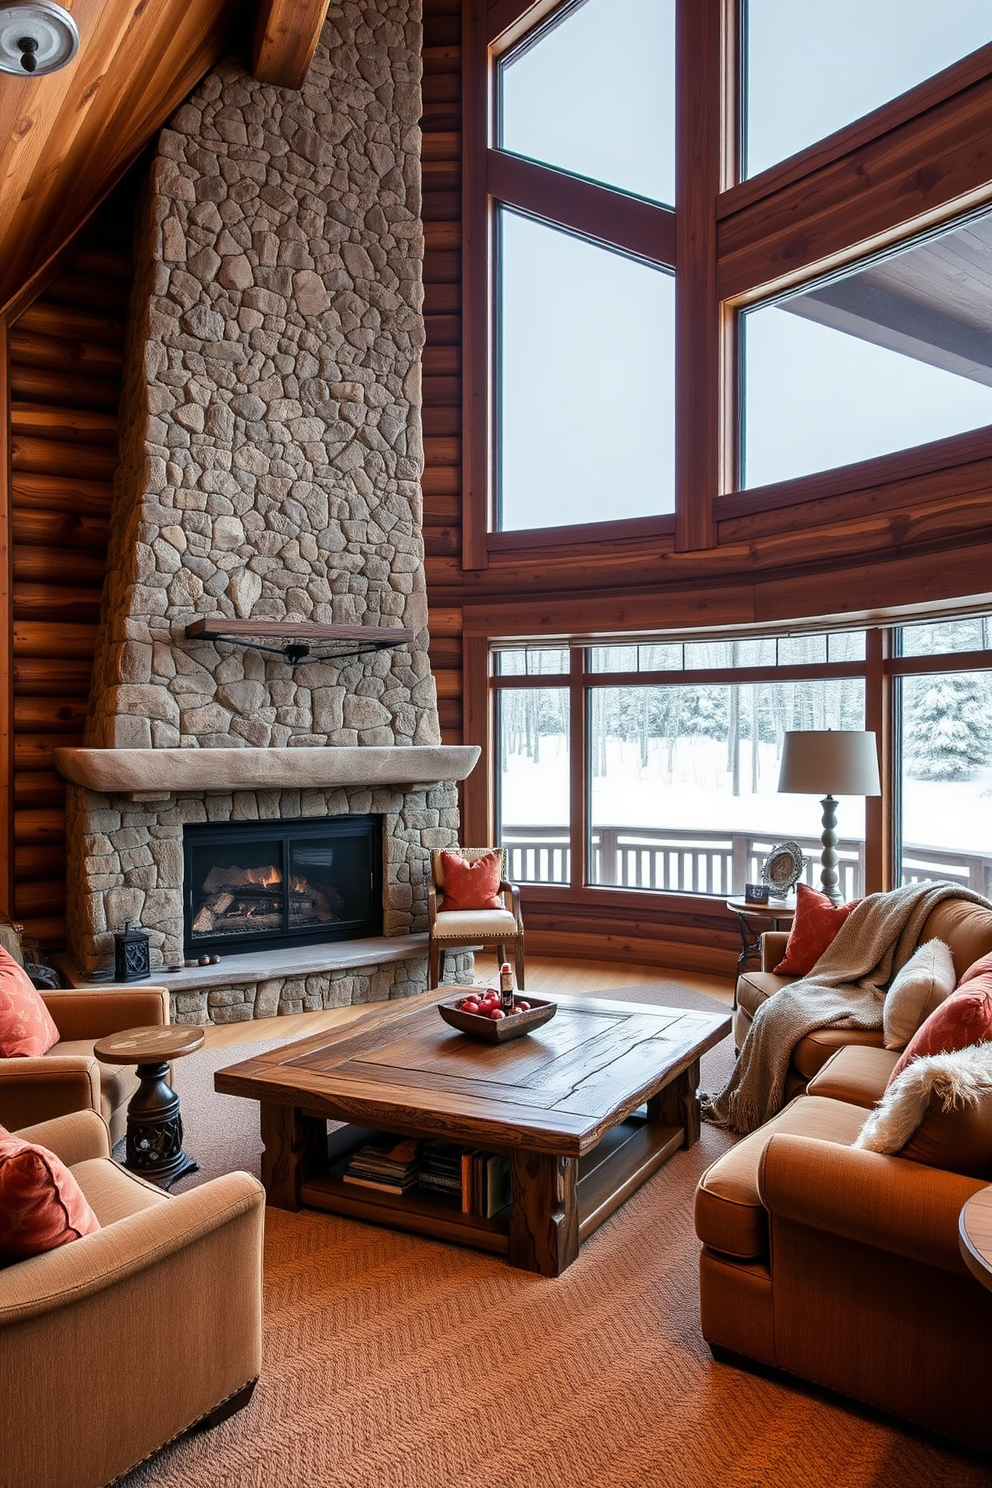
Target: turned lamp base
(829, 875)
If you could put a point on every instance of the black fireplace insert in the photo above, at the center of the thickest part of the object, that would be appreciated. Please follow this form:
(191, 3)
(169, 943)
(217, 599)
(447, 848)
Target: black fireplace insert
(257, 885)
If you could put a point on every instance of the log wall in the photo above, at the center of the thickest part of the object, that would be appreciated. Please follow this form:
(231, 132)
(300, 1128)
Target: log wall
(65, 359)
(442, 481)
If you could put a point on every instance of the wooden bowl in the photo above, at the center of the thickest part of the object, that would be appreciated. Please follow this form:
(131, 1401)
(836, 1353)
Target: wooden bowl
(497, 1030)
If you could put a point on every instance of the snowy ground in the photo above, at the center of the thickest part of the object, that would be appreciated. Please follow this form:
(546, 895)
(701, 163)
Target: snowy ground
(697, 793)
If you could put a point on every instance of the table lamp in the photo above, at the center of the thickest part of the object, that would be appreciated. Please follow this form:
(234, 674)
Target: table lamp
(830, 763)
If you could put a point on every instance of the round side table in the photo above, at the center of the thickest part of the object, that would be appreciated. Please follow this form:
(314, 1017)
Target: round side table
(752, 916)
(975, 1235)
(154, 1141)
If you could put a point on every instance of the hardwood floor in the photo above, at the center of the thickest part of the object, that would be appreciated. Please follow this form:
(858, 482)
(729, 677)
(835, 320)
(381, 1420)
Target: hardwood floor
(552, 977)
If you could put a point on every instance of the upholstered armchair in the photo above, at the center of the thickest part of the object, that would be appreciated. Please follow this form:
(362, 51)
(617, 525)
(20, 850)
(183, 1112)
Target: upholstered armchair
(497, 928)
(69, 1077)
(113, 1344)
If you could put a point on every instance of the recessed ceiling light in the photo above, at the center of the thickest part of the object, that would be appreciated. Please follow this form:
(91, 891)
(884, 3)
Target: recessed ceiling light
(36, 37)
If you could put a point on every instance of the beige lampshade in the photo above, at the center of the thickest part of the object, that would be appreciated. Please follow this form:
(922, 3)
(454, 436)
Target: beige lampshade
(830, 762)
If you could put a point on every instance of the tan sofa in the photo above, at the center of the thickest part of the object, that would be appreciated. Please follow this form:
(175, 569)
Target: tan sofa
(843, 1266)
(964, 926)
(69, 1077)
(116, 1343)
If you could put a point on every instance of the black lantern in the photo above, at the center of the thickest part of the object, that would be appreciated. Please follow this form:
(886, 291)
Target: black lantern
(131, 959)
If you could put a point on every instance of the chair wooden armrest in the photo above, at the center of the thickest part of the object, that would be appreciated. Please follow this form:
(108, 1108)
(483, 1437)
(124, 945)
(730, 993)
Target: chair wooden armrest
(514, 892)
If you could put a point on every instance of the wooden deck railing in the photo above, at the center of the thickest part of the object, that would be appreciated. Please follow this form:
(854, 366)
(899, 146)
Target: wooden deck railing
(717, 863)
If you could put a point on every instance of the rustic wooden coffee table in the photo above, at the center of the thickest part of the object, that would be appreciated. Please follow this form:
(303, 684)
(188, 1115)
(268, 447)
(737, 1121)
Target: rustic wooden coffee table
(565, 1102)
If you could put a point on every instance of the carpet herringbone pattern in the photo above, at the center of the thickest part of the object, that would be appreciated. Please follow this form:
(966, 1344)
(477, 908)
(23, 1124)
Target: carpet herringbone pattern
(395, 1362)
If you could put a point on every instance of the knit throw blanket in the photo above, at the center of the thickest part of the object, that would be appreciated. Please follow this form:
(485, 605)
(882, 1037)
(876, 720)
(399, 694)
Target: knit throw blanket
(845, 989)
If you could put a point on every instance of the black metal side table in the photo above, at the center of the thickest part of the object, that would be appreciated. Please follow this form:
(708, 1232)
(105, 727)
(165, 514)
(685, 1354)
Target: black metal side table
(154, 1141)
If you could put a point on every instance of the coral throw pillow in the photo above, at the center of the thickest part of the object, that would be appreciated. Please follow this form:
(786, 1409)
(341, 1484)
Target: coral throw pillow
(814, 927)
(977, 968)
(41, 1204)
(26, 1026)
(472, 885)
(964, 1018)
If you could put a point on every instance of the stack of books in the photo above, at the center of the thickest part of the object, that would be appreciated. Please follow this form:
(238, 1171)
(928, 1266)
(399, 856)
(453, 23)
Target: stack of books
(478, 1181)
(485, 1182)
(441, 1168)
(391, 1164)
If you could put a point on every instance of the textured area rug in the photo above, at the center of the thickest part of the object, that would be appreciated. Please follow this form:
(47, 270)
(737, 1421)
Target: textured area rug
(396, 1362)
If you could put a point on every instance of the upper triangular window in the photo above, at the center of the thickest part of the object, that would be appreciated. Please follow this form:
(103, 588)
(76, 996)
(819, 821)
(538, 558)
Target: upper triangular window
(593, 93)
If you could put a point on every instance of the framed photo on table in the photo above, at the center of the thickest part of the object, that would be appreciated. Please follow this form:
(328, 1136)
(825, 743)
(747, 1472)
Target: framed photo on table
(783, 868)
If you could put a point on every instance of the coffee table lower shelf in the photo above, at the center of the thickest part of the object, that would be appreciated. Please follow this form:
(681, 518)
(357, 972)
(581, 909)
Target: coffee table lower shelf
(625, 1158)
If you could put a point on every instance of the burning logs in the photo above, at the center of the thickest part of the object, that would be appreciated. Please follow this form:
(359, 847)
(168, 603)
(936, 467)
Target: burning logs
(240, 901)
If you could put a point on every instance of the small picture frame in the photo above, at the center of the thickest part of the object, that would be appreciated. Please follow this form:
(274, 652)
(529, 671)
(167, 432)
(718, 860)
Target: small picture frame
(756, 893)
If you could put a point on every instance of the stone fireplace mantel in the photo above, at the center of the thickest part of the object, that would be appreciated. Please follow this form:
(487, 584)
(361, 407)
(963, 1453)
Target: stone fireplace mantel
(141, 772)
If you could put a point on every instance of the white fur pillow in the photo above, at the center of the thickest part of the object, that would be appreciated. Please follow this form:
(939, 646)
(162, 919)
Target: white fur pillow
(938, 1111)
(916, 989)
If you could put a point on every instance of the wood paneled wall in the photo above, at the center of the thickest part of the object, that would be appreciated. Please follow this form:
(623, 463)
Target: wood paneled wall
(442, 481)
(65, 360)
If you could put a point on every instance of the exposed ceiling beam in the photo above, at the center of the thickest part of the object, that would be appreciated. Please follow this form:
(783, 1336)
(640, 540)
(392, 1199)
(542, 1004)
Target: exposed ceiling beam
(66, 139)
(286, 36)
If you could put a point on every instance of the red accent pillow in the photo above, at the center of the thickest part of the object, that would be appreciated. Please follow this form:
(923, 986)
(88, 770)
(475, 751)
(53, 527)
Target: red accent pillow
(41, 1204)
(976, 969)
(963, 1018)
(26, 1026)
(814, 927)
(472, 885)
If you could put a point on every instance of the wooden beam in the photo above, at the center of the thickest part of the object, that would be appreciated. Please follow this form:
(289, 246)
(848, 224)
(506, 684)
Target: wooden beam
(611, 217)
(285, 39)
(922, 173)
(699, 327)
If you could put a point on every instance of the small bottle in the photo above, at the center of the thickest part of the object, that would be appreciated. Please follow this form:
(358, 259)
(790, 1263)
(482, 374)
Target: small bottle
(506, 987)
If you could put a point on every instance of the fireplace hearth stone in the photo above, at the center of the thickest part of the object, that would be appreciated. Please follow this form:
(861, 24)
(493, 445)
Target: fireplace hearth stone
(301, 979)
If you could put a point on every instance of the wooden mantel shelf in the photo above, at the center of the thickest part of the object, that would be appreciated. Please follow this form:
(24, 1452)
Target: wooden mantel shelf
(140, 772)
(299, 640)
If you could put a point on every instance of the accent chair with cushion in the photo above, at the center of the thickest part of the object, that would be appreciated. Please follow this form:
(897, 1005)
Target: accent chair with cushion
(962, 925)
(115, 1342)
(470, 903)
(67, 1076)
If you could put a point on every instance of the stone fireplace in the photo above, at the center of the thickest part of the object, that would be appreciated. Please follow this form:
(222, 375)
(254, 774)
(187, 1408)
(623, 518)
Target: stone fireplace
(269, 467)
(255, 886)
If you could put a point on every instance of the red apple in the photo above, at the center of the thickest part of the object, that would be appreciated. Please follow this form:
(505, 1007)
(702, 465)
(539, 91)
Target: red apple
(522, 1007)
(469, 1005)
(496, 1013)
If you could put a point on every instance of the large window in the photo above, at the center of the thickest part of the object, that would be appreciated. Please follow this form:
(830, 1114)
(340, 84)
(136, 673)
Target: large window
(585, 314)
(892, 355)
(813, 68)
(680, 750)
(586, 368)
(681, 744)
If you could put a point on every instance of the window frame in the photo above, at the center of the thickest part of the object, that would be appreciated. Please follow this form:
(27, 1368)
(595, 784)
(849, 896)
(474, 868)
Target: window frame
(878, 671)
(734, 243)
